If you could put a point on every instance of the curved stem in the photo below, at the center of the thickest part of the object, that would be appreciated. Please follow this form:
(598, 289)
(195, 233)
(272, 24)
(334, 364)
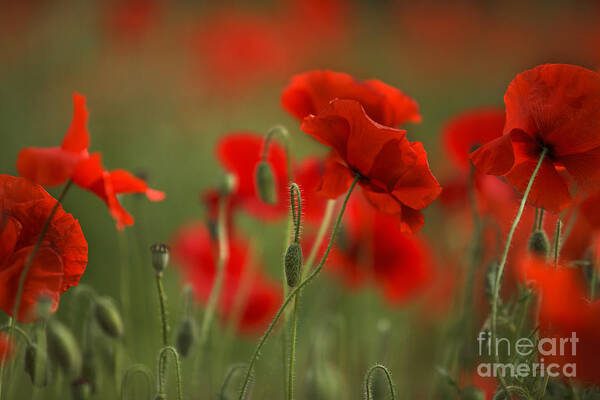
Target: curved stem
(388, 377)
(162, 299)
(285, 137)
(500, 269)
(162, 357)
(20, 331)
(296, 214)
(230, 374)
(136, 369)
(218, 283)
(293, 293)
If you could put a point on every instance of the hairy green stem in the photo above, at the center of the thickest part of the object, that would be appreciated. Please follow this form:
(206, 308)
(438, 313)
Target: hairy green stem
(136, 369)
(293, 293)
(162, 379)
(388, 376)
(162, 300)
(295, 197)
(230, 374)
(500, 269)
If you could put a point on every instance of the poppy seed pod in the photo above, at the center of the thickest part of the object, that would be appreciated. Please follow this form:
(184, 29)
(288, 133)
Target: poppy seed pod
(36, 362)
(538, 243)
(63, 348)
(186, 337)
(160, 256)
(265, 183)
(293, 264)
(108, 317)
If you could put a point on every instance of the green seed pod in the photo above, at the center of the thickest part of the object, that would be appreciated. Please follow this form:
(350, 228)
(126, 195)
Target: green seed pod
(160, 256)
(108, 317)
(538, 243)
(265, 183)
(63, 348)
(81, 390)
(36, 365)
(293, 264)
(186, 337)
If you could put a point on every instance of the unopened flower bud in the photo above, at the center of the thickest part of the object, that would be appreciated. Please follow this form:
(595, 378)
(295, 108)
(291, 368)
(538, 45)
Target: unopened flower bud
(81, 390)
(538, 243)
(36, 365)
(293, 264)
(186, 337)
(63, 348)
(160, 256)
(265, 183)
(108, 317)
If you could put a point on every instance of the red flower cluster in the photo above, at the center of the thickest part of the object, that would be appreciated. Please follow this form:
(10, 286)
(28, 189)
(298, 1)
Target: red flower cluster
(554, 107)
(60, 260)
(249, 299)
(394, 173)
(71, 160)
(371, 247)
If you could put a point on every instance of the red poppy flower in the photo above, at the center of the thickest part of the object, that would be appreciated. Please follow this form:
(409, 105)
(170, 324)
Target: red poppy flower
(130, 20)
(470, 130)
(60, 260)
(395, 174)
(54, 165)
(310, 93)
(564, 310)
(240, 153)
(556, 107)
(91, 175)
(6, 348)
(248, 298)
(307, 175)
(371, 247)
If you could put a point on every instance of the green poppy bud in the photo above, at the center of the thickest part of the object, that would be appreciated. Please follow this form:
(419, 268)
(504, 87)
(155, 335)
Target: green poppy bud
(63, 348)
(108, 317)
(538, 243)
(36, 365)
(293, 264)
(186, 337)
(265, 183)
(160, 256)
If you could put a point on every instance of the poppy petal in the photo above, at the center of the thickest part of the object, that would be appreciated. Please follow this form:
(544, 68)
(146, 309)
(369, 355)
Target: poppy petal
(583, 167)
(46, 166)
(125, 182)
(77, 138)
(495, 157)
(337, 179)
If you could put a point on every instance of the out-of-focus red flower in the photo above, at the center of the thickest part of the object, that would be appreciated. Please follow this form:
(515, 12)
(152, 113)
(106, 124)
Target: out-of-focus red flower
(563, 310)
(395, 174)
(240, 153)
(60, 260)
(311, 92)
(54, 165)
(552, 106)
(371, 248)
(470, 130)
(91, 175)
(307, 174)
(248, 298)
(130, 20)
(6, 348)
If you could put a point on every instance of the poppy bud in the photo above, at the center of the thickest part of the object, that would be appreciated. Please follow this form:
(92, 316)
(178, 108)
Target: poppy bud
(36, 362)
(108, 317)
(160, 256)
(538, 243)
(63, 348)
(265, 183)
(81, 390)
(293, 264)
(186, 337)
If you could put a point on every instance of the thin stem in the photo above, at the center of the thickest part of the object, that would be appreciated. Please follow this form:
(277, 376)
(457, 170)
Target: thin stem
(215, 293)
(290, 391)
(285, 137)
(162, 299)
(296, 214)
(557, 234)
(541, 219)
(230, 374)
(162, 357)
(500, 269)
(293, 293)
(20, 331)
(388, 376)
(136, 369)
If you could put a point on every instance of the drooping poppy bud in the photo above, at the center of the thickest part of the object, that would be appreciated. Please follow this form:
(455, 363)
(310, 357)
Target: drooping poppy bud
(108, 317)
(160, 256)
(186, 336)
(36, 365)
(265, 183)
(293, 264)
(63, 348)
(538, 243)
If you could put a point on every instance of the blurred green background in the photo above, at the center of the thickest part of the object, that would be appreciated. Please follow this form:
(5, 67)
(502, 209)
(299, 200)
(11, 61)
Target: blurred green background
(159, 99)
